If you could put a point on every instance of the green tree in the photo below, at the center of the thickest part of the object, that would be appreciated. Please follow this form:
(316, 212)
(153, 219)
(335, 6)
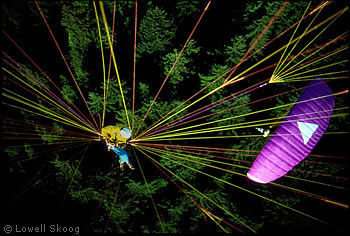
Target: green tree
(156, 31)
(186, 8)
(236, 50)
(68, 92)
(78, 25)
(121, 199)
(184, 68)
(95, 102)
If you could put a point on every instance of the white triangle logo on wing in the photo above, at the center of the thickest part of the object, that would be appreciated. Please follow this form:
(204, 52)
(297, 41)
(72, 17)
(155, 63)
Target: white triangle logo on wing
(307, 130)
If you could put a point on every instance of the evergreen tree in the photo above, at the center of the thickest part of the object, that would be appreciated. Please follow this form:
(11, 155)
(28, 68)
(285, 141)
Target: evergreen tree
(156, 31)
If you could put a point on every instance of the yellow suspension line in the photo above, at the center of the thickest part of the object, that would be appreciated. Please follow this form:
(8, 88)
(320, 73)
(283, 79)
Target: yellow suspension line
(319, 68)
(57, 136)
(312, 195)
(232, 127)
(65, 61)
(113, 204)
(281, 68)
(311, 41)
(253, 66)
(291, 68)
(199, 99)
(280, 49)
(134, 71)
(61, 120)
(40, 107)
(239, 116)
(231, 136)
(279, 64)
(189, 185)
(334, 17)
(114, 60)
(215, 220)
(226, 110)
(43, 95)
(103, 67)
(149, 193)
(287, 75)
(317, 182)
(248, 191)
(71, 180)
(211, 83)
(328, 78)
(301, 78)
(217, 121)
(191, 157)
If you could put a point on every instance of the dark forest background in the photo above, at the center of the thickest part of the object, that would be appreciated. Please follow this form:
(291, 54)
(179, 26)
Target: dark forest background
(94, 194)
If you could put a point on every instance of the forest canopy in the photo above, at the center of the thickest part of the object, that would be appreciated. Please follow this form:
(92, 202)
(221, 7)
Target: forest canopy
(192, 80)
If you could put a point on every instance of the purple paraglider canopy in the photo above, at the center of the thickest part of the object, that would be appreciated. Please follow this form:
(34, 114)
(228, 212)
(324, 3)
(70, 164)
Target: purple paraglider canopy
(298, 134)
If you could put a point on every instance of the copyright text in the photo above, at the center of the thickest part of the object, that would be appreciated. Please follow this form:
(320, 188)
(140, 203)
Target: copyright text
(40, 228)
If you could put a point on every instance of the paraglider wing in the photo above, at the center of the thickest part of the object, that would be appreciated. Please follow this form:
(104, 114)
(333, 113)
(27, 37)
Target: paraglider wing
(298, 134)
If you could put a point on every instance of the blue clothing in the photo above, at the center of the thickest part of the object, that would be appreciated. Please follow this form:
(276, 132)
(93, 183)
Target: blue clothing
(121, 152)
(123, 155)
